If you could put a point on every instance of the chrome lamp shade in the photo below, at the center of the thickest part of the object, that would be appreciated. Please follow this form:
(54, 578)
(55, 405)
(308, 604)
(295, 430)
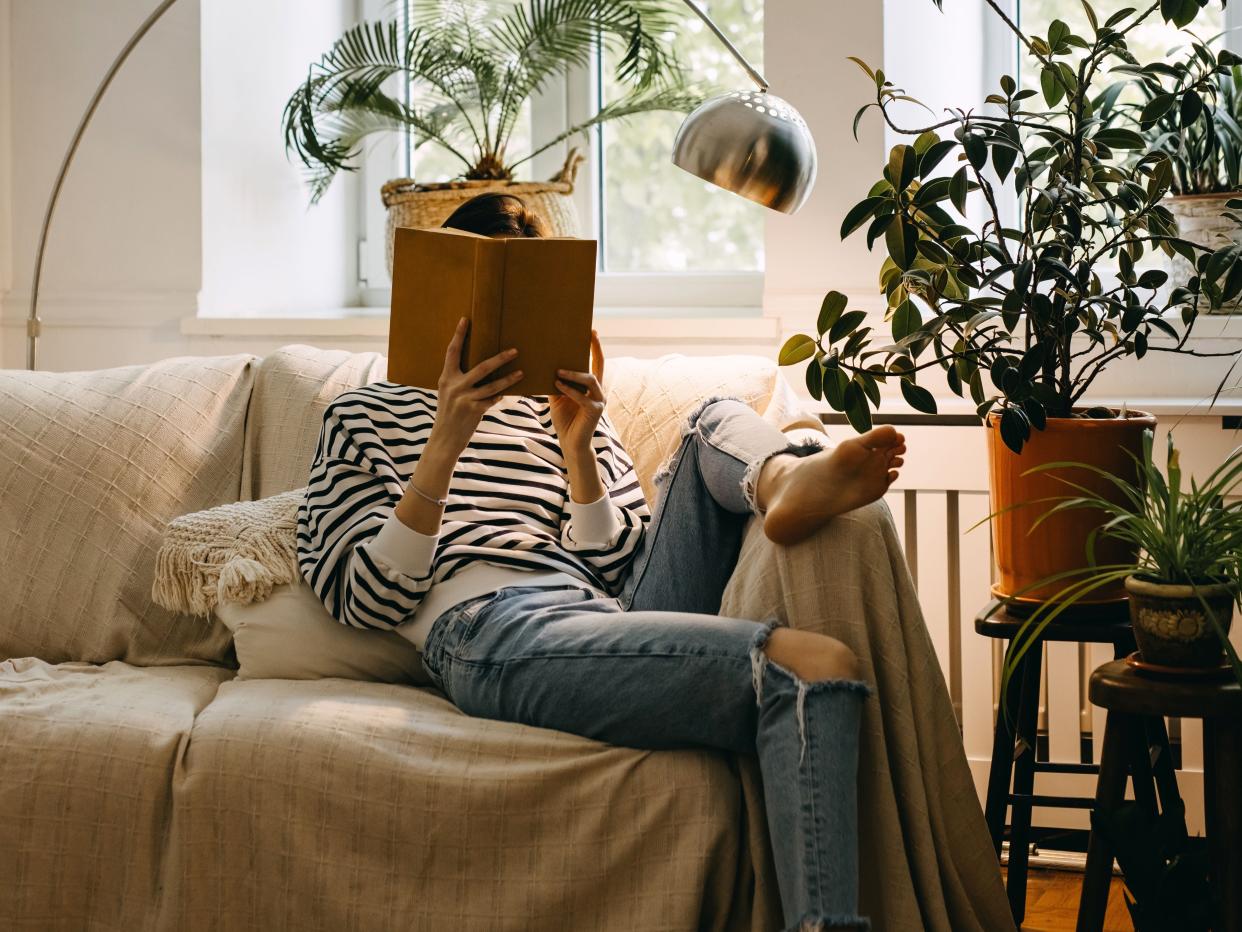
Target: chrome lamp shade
(751, 143)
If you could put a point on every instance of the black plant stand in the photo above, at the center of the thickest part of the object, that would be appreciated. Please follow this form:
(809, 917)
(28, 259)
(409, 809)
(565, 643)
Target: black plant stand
(1014, 739)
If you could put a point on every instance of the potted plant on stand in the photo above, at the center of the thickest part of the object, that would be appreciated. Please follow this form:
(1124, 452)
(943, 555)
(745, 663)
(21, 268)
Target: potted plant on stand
(1191, 110)
(468, 72)
(1187, 575)
(1023, 315)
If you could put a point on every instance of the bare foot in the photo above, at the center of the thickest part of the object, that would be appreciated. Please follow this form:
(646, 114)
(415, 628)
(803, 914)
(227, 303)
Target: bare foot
(806, 493)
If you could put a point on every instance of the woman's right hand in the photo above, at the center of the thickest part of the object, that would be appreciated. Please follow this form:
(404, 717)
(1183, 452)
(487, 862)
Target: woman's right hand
(462, 399)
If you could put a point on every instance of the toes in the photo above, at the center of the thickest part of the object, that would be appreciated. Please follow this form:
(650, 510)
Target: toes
(884, 436)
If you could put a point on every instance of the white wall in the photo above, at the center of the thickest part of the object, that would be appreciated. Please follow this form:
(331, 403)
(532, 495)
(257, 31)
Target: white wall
(806, 45)
(264, 248)
(936, 56)
(123, 263)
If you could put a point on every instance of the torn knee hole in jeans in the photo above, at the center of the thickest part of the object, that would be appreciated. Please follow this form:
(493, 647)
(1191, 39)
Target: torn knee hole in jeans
(759, 664)
(689, 426)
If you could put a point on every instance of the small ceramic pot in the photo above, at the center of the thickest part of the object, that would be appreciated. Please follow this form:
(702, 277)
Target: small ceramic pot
(1171, 627)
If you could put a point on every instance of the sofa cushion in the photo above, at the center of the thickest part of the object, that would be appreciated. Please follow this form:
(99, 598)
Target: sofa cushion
(289, 635)
(93, 465)
(343, 805)
(292, 387)
(649, 400)
(87, 758)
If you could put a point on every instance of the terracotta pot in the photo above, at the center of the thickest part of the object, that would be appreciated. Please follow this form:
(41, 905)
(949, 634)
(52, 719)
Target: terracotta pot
(1023, 556)
(1171, 627)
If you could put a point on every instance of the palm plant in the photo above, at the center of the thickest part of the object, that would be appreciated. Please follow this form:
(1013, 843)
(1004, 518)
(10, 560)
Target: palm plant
(1181, 536)
(468, 71)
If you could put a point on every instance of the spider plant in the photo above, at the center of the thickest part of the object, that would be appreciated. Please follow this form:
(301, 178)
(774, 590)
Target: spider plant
(1182, 536)
(469, 67)
(1192, 112)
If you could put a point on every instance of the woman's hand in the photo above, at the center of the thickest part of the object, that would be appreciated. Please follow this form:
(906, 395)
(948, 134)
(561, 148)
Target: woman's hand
(575, 415)
(462, 399)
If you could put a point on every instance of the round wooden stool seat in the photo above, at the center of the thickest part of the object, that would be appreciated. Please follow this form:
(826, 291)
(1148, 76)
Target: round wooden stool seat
(1121, 687)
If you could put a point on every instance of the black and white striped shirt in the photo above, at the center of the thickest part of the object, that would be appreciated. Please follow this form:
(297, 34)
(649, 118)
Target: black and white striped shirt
(508, 505)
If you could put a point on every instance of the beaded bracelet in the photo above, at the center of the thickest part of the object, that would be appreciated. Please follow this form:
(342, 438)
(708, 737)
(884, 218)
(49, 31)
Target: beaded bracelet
(421, 494)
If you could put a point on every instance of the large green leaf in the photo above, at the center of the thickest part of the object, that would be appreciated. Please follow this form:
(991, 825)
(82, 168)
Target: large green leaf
(901, 239)
(906, 319)
(917, 397)
(845, 325)
(860, 213)
(1050, 84)
(830, 310)
(797, 348)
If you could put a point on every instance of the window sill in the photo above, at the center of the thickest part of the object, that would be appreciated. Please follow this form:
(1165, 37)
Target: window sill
(633, 325)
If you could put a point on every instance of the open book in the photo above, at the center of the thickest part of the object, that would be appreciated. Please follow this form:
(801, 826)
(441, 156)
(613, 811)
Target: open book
(533, 294)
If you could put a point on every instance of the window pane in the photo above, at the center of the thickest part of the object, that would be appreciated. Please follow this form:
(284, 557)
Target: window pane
(1150, 42)
(656, 217)
(431, 163)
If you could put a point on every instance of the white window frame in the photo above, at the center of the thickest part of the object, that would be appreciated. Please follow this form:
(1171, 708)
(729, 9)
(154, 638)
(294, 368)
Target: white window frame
(621, 294)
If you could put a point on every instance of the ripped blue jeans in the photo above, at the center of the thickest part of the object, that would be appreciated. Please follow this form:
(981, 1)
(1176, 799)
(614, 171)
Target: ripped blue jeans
(658, 668)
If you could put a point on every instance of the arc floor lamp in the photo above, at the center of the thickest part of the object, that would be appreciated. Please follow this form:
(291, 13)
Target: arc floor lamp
(749, 142)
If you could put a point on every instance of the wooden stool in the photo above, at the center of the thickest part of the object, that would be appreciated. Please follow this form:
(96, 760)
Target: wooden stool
(1014, 740)
(1134, 702)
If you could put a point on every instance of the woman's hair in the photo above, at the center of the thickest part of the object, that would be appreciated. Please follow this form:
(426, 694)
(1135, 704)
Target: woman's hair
(496, 214)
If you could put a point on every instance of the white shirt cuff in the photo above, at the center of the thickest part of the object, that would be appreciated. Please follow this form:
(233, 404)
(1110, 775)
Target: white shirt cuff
(593, 522)
(404, 549)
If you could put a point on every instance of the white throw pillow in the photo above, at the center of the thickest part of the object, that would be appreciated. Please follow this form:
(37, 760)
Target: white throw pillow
(291, 636)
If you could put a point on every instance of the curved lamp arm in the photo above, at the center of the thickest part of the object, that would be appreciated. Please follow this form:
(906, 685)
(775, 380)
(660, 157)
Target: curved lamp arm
(32, 318)
(724, 40)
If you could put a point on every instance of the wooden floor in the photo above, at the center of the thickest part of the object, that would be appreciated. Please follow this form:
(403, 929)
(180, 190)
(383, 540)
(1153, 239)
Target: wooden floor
(1052, 903)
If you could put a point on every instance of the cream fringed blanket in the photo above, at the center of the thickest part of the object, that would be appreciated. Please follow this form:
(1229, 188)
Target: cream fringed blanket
(231, 553)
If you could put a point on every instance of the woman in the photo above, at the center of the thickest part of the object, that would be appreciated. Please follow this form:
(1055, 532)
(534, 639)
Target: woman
(509, 538)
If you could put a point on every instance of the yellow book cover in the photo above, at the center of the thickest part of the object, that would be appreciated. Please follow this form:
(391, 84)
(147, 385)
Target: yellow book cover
(535, 294)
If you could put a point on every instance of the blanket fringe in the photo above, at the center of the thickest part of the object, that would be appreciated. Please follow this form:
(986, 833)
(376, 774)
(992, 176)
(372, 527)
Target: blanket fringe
(232, 553)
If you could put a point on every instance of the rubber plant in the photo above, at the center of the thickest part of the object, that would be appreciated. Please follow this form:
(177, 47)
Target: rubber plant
(469, 66)
(1022, 317)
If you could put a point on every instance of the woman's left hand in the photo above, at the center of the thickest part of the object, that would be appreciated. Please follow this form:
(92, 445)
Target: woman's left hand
(576, 413)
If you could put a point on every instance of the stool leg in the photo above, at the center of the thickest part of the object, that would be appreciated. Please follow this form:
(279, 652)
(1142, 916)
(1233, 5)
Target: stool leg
(1171, 804)
(1110, 790)
(1222, 778)
(1024, 780)
(1001, 771)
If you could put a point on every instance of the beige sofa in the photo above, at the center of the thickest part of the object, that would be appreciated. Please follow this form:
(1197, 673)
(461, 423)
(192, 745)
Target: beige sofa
(144, 786)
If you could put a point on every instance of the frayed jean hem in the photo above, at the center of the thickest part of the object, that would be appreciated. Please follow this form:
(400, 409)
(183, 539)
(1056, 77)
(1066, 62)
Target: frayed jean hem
(812, 923)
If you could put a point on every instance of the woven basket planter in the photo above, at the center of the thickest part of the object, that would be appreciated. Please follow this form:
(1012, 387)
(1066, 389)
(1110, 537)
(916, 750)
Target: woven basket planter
(424, 206)
(1200, 219)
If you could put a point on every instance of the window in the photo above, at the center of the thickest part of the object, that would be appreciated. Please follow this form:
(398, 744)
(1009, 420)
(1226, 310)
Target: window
(1152, 41)
(654, 216)
(667, 239)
